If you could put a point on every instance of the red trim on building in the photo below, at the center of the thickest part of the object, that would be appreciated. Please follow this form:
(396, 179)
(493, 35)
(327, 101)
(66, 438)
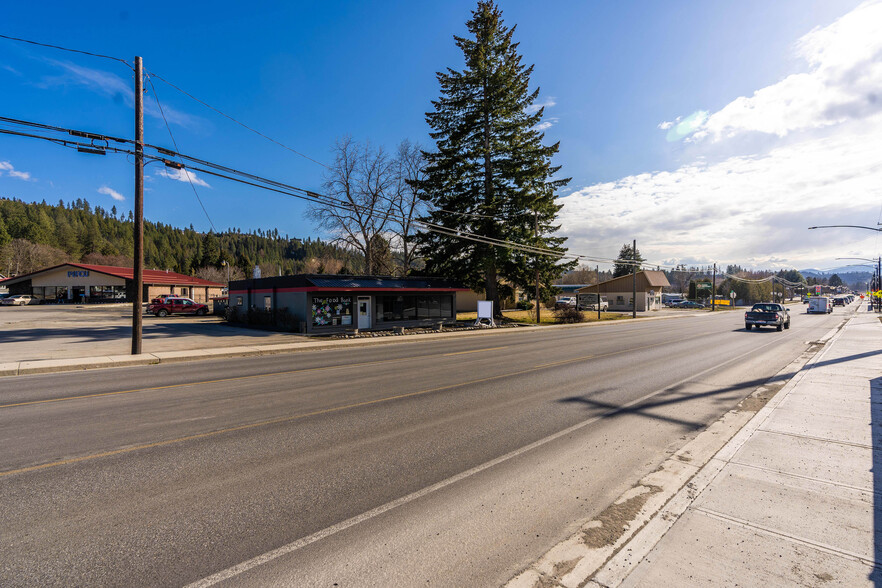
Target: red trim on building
(365, 290)
(127, 273)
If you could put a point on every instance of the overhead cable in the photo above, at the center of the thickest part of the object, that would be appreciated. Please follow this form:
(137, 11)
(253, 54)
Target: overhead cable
(175, 143)
(67, 49)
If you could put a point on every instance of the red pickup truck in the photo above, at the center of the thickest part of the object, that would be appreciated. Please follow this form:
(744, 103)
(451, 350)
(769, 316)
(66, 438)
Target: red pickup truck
(176, 305)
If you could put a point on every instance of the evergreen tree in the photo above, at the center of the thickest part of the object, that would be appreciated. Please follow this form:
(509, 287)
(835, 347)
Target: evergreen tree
(210, 249)
(627, 253)
(491, 175)
(835, 280)
(5, 238)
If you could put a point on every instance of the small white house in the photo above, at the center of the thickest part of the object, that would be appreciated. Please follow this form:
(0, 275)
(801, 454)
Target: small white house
(619, 291)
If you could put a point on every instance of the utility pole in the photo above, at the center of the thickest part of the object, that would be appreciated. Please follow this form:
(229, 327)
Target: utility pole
(634, 284)
(598, 292)
(714, 289)
(536, 234)
(138, 270)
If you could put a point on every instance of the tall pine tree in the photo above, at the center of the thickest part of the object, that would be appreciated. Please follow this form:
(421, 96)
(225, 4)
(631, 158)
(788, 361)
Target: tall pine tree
(491, 175)
(628, 253)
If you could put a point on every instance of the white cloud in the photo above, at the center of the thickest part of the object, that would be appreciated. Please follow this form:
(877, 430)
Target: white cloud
(546, 124)
(747, 209)
(117, 88)
(182, 175)
(8, 169)
(547, 103)
(801, 152)
(844, 82)
(111, 192)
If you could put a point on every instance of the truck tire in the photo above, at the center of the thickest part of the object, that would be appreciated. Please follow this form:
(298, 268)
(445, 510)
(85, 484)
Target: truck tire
(200, 312)
(780, 327)
(162, 312)
(747, 326)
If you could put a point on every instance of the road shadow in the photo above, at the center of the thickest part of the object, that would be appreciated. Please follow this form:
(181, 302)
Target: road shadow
(673, 396)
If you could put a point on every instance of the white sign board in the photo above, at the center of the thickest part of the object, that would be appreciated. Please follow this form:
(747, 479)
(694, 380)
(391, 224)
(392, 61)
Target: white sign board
(485, 309)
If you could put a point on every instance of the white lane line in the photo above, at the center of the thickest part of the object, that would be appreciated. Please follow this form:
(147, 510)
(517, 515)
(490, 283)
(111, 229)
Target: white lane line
(254, 562)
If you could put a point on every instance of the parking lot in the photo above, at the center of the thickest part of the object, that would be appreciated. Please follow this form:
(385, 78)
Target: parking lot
(69, 331)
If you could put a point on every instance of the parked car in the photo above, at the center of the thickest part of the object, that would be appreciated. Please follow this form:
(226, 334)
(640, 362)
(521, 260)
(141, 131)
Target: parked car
(19, 300)
(589, 302)
(165, 306)
(565, 302)
(767, 314)
(690, 304)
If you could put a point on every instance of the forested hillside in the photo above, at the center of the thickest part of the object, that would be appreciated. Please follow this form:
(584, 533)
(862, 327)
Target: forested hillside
(35, 235)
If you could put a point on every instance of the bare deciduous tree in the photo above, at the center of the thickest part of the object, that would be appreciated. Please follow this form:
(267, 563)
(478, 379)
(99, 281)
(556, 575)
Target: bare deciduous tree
(21, 256)
(406, 202)
(360, 179)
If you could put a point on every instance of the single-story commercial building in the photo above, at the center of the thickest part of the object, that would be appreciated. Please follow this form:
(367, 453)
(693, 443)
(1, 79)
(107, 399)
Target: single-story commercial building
(619, 291)
(319, 304)
(84, 283)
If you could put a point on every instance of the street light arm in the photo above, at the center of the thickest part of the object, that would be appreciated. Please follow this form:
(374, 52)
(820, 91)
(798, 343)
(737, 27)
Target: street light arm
(846, 227)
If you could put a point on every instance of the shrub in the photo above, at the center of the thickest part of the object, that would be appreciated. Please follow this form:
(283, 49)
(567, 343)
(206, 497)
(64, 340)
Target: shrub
(525, 305)
(569, 314)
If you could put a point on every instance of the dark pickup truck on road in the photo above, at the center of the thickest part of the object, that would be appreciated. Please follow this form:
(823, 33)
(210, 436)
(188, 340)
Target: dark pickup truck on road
(767, 314)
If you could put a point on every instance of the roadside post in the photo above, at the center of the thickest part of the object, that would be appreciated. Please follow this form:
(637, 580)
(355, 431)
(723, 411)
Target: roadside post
(714, 290)
(598, 292)
(633, 283)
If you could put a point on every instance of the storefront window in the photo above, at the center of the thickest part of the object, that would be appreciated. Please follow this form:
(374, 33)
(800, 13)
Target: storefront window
(331, 311)
(407, 308)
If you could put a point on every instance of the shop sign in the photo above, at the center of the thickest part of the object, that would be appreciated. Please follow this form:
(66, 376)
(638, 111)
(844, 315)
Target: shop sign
(78, 274)
(331, 311)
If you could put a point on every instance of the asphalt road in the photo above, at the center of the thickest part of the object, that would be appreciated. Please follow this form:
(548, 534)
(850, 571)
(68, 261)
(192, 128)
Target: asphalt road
(451, 462)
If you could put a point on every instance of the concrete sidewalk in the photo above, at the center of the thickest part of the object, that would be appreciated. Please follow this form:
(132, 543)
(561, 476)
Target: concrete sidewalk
(792, 499)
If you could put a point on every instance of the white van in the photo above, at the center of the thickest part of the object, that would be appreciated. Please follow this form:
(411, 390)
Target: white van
(820, 305)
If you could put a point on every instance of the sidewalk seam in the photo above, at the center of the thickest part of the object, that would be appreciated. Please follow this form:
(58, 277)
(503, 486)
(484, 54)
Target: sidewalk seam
(724, 456)
(803, 477)
(820, 546)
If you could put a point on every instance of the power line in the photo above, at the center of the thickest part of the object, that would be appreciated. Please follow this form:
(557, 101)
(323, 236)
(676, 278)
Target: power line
(253, 180)
(175, 143)
(241, 124)
(67, 49)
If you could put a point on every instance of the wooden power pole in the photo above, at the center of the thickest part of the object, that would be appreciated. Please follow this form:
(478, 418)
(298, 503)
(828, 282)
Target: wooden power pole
(138, 270)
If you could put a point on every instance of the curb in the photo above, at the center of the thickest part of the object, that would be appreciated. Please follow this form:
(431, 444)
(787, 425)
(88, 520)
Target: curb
(662, 496)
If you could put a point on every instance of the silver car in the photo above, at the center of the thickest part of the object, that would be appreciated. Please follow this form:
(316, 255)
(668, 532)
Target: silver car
(19, 300)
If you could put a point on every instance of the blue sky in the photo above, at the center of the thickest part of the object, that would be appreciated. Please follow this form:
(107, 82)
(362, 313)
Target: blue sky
(619, 79)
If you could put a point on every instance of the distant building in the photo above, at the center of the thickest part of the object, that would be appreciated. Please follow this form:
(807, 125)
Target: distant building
(87, 283)
(619, 291)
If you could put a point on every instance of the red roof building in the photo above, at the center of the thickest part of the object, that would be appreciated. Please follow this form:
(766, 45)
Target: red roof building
(83, 282)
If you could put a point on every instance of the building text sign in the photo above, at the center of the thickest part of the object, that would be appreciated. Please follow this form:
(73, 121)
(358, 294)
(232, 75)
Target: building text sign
(78, 274)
